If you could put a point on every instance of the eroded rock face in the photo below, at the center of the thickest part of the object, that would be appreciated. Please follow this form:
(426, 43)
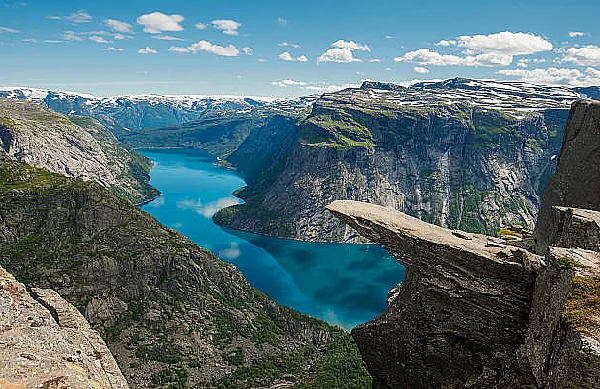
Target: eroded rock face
(576, 182)
(459, 314)
(46, 342)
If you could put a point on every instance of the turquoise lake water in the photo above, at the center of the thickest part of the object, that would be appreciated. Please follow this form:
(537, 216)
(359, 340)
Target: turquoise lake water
(343, 284)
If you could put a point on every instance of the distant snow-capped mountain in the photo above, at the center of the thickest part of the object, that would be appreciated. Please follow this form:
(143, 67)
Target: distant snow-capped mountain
(150, 111)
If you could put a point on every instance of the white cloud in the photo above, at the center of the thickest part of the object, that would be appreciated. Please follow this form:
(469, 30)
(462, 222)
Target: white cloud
(98, 39)
(261, 60)
(229, 51)
(121, 36)
(445, 43)
(429, 57)
(329, 88)
(117, 25)
(524, 62)
(388, 37)
(420, 69)
(247, 50)
(350, 45)
(583, 56)
(167, 38)
(286, 83)
(7, 29)
(79, 17)
(114, 49)
(292, 45)
(337, 55)
(505, 42)
(556, 76)
(342, 52)
(286, 56)
(576, 34)
(201, 26)
(147, 50)
(375, 60)
(229, 27)
(157, 22)
(281, 21)
(71, 36)
(179, 49)
(231, 253)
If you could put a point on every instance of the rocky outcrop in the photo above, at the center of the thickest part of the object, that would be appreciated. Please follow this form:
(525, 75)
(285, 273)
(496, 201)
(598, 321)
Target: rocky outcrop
(442, 152)
(474, 312)
(172, 314)
(75, 147)
(576, 182)
(46, 343)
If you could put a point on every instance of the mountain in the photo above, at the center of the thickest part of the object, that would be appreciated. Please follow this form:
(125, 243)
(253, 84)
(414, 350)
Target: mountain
(464, 154)
(172, 314)
(480, 312)
(74, 146)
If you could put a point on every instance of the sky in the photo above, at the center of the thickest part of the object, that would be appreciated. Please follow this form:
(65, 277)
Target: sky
(291, 48)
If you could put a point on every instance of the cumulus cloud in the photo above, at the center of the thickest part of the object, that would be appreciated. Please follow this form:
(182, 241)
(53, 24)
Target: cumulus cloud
(583, 56)
(555, 76)
(281, 21)
(157, 22)
(229, 27)
(247, 50)
(98, 39)
(286, 56)
(430, 57)
(121, 36)
(490, 50)
(117, 25)
(505, 42)
(375, 60)
(232, 252)
(421, 70)
(201, 26)
(7, 29)
(229, 51)
(350, 45)
(576, 34)
(342, 52)
(114, 49)
(147, 50)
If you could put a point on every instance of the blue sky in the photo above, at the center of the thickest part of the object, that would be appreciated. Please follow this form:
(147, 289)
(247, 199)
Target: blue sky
(291, 48)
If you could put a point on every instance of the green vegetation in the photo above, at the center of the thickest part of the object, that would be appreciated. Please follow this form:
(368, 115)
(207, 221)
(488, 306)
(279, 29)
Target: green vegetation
(582, 309)
(335, 128)
(568, 263)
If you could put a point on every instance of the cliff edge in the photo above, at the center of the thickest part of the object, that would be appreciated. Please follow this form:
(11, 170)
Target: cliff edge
(45, 342)
(477, 312)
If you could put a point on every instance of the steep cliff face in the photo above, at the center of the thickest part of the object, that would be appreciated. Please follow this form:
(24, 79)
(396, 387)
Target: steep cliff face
(75, 147)
(576, 182)
(170, 312)
(461, 154)
(47, 343)
(475, 312)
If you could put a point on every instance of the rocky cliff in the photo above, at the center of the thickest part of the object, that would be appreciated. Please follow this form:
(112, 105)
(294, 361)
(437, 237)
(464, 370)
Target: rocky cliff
(465, 154)
(477, 312)
(172, 314)
(576, 182)
(47, 343)
(73, 146)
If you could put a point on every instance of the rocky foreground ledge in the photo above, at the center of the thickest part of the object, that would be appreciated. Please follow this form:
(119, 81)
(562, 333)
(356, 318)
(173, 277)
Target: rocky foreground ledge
(476, 312)
(46, 343)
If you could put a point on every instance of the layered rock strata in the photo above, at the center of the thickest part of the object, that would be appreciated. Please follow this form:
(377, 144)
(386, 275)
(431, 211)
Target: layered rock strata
(474, 312)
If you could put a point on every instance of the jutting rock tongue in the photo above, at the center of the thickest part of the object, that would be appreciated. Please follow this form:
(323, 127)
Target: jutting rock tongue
(576, 182)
